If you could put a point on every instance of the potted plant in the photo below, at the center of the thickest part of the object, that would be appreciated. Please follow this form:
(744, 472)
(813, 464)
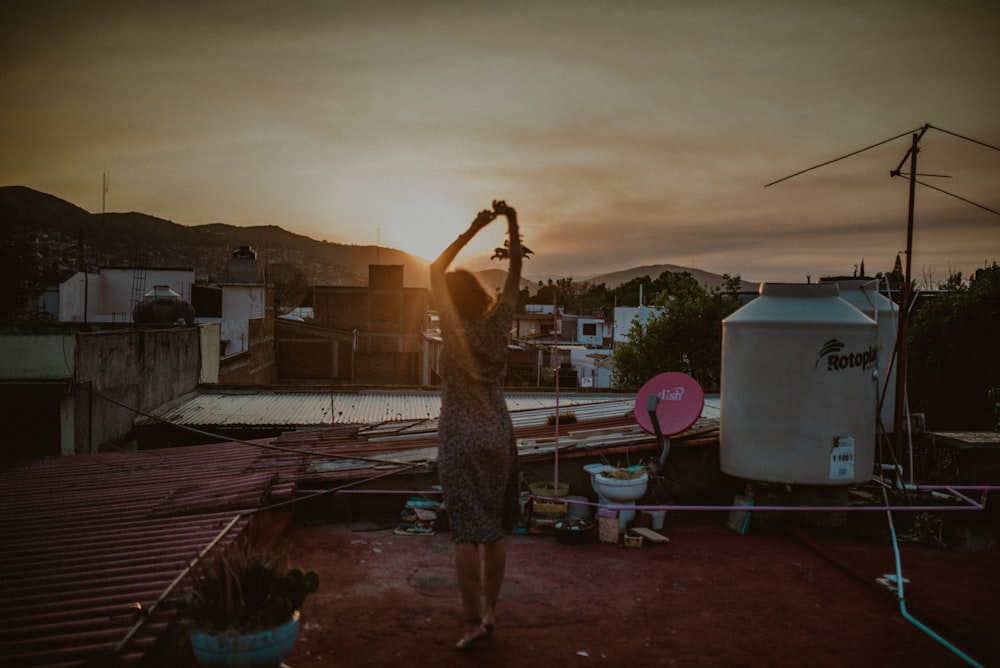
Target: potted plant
(243, 607)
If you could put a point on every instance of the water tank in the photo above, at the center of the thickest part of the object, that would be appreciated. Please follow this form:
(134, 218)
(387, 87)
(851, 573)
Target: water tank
(798, 390)
(162, 306)
(863, 294)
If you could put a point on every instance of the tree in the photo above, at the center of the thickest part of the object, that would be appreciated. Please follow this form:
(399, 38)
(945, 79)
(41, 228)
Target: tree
(954, 359)
(290, 285)
(686, 337)
(22, 271)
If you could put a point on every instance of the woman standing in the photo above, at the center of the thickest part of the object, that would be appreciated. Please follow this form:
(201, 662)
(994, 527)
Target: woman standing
(477, 458)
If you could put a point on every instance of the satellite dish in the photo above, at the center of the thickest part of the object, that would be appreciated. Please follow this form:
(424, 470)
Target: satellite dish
(678, 400)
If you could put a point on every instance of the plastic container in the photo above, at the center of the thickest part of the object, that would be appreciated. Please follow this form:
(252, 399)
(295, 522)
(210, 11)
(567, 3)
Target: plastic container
(863, 294)
(799, 388)
(578, 507)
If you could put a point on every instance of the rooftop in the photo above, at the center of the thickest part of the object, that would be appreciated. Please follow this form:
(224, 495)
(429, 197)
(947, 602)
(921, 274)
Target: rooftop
(93, 548)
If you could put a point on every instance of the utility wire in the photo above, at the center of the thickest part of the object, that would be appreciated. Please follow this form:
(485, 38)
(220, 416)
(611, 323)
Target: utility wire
(265, 446)
(958, 197)
(970, 139)
(830, 162)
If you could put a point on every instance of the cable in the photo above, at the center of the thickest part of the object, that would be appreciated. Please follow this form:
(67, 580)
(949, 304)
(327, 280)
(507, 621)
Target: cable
(955, 134)
(942, 190)
(830, 162)
(265, 446)
(902, 599)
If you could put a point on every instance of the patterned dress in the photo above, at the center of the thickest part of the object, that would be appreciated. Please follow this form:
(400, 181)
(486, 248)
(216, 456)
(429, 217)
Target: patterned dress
(477, 457)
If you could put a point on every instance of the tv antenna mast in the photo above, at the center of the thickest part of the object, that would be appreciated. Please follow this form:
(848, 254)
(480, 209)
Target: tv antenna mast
(906, 297)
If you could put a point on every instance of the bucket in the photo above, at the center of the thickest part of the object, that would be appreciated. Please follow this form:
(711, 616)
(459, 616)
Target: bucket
(578, 507)
(657, 517)
(546, 489)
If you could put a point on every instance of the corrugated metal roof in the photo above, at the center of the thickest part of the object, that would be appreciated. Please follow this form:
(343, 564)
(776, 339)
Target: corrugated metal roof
(88, 542)
(314, 409)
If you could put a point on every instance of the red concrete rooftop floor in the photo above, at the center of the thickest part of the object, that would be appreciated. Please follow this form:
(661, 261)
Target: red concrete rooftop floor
(785, 594)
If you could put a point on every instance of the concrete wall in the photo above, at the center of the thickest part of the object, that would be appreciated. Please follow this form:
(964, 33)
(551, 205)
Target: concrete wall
(124, 369)
(41, 356)
(240, 304)
(255, 366)
(79, 296)
(211, 348)
(308, 352)
(71, 389)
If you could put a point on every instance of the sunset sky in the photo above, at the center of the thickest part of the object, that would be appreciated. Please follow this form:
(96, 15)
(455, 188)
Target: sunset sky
(625, 133)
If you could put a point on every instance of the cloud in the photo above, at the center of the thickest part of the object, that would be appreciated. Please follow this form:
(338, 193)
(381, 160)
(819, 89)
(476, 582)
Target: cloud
(626, 133)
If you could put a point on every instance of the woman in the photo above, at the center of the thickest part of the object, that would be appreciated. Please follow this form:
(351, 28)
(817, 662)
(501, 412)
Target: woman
(477, 458)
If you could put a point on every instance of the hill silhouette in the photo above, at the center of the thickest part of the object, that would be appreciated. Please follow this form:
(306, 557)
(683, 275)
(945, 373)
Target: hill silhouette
(73, 238)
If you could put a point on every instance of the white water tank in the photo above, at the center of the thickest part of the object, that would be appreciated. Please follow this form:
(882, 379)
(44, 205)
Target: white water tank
(798, 390)
(863, 294)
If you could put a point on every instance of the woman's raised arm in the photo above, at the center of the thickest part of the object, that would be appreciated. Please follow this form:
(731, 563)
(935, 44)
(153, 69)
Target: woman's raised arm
(512, 285)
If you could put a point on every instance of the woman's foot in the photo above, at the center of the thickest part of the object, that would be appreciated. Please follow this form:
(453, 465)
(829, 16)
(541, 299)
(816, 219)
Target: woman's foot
(489, 621)
(474, 630)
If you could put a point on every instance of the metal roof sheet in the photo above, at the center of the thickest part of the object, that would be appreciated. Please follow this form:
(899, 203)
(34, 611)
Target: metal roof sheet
(89, 544)
(314, 409)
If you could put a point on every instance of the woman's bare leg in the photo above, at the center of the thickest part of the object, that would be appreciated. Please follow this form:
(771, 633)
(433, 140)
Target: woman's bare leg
(467, 566)
(494, 565)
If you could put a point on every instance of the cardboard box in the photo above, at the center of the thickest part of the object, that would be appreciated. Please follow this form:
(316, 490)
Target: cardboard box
(607, 522)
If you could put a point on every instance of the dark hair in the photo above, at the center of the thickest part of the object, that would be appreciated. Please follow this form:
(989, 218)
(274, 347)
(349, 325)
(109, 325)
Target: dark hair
(469, 296)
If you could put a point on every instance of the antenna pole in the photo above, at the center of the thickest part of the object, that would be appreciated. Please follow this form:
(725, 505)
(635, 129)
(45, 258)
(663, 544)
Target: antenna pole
(902, 333)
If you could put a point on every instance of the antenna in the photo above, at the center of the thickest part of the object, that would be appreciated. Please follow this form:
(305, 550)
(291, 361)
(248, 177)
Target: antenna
(906, 296)
(105, 184)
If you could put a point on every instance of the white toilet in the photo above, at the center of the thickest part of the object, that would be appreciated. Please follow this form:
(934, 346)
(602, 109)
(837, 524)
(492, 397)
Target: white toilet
(593, 470)
(617, 492)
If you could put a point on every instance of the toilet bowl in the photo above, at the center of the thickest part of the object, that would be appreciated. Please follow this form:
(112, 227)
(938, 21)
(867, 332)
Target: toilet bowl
(619, 492)
(593, 470)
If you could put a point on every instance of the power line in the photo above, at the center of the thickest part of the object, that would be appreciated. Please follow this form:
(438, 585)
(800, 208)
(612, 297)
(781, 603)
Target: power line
(958, 197)
(225, 439)
(969, 139)
(843, 157)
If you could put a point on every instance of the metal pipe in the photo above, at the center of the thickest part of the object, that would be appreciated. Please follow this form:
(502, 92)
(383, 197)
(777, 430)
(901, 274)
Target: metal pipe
(968, 503)
(902, 599)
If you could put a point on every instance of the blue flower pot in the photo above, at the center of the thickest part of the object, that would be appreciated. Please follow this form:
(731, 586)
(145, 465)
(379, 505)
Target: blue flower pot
(265, 649)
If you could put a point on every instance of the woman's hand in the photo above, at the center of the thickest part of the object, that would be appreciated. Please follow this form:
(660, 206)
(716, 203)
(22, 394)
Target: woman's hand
(500, 208)
(483, 218)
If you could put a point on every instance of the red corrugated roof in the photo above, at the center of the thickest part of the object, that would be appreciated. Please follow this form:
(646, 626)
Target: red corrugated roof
(86, 540)
(89, 542)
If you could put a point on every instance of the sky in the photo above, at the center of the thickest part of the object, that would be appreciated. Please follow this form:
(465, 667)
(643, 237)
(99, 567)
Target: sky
(624, 133)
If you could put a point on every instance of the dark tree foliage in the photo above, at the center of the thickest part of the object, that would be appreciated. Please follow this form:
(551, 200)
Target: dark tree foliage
(22, 271)
(954, 356)
(587, 299)
(686, 337)
(291, 287)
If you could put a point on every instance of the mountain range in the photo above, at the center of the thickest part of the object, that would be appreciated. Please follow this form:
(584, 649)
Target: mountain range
(72, 238)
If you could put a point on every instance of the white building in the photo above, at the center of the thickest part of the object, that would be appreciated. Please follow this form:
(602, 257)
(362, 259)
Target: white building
(110, 294)
(626, 316)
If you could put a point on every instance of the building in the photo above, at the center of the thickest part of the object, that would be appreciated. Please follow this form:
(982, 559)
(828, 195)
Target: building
(370, 334)
(68, 388)
(111, 293)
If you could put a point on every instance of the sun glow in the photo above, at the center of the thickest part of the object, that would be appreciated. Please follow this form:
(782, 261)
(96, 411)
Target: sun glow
(420, 217)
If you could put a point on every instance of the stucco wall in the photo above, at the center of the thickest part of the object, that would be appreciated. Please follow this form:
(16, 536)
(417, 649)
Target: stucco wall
(127, 369)
(37, 356)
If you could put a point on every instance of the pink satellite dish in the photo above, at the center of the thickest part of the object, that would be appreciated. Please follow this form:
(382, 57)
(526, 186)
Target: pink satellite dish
(679, 402)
